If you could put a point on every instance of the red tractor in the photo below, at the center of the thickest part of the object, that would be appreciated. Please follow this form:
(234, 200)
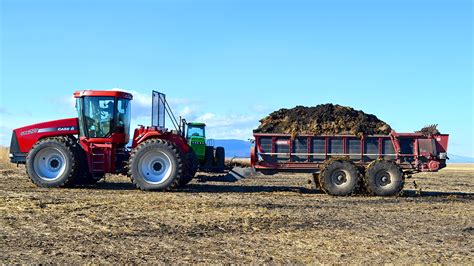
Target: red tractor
(82, 150)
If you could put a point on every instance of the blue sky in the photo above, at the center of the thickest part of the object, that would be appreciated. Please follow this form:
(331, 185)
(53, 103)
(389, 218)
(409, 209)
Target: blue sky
(230, 63)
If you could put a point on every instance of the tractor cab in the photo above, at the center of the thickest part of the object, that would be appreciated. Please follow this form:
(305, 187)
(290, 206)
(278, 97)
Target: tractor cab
(196, 137)
(209, 159)
(104, 114)
(104, 129)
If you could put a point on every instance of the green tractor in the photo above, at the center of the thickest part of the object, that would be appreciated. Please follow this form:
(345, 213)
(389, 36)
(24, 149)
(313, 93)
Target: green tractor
(209, 159)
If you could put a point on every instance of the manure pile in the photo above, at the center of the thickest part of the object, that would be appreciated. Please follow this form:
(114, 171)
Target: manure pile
(323, 119)
(429, 130)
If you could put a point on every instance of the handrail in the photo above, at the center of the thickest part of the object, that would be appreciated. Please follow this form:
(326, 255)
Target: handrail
(167, 109)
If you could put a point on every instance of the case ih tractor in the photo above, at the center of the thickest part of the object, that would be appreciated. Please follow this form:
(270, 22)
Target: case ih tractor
(210, 159)
(82, 150)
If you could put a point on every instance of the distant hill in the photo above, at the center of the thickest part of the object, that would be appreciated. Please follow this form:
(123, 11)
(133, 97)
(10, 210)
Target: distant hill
(241, 149)
(234, 147)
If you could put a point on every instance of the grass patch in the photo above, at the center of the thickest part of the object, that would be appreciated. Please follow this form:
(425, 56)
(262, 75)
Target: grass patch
(5, 159)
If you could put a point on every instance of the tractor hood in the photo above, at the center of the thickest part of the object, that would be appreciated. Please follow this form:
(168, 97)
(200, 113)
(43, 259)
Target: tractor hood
(24, 138)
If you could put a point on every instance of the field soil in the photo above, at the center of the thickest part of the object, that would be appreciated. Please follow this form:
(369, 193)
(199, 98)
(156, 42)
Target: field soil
(261, 219)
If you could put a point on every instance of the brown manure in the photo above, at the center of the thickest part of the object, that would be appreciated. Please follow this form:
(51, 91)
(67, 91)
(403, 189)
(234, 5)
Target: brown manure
(323, 119)
(429, 130)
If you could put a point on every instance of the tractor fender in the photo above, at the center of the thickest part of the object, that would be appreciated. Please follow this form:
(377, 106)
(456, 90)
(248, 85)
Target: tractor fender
(179, 141)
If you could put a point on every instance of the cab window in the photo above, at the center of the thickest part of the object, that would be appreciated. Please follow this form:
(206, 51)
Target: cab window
(123, 116)
(195, 131)
(98, 116)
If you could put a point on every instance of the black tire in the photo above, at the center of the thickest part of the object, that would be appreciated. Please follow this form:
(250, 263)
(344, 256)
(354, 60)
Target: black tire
(220, 159)
(52, 163)
(339, 178)
(84, 177)
(156, 164)
(268, 172)
(191, 166)
(384, 178)
(209, 157)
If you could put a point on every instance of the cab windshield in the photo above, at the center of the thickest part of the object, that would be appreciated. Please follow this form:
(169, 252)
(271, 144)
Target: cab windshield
(99, 117)
(195, 131)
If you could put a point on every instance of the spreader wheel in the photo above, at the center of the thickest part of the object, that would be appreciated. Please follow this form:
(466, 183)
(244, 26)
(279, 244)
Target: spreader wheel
(269, 172)
(51, 162)
(156, 164)
(339, 178)
(383, 178)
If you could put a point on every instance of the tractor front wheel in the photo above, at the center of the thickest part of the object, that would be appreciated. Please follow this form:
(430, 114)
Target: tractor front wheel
(52, 163)
(156, 164)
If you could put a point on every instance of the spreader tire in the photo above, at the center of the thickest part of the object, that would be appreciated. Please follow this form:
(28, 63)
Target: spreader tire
(339, 178)
(191, 166)
(269, 172)
(52, 163)
(156, 164)
(383, 178)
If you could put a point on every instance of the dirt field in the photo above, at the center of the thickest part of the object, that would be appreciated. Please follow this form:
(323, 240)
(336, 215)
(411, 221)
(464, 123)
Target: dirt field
(259, 219)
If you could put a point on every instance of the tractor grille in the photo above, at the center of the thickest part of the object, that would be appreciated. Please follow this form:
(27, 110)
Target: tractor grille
(17, 155)
(14, 147)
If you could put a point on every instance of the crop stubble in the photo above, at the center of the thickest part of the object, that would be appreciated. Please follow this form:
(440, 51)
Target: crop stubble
(259, 219)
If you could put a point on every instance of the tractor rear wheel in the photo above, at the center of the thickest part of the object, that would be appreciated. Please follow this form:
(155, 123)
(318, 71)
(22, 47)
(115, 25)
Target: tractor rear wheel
(156, 164)
(384, 178)
(220, 159)
(339, 178)
(52, 163)
(191, 166)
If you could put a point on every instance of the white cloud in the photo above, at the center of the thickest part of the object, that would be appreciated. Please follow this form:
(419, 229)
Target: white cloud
(208, 117)
(186, 111)
(261, 108)
(229, 133)
(229, 126)
(215, 120)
